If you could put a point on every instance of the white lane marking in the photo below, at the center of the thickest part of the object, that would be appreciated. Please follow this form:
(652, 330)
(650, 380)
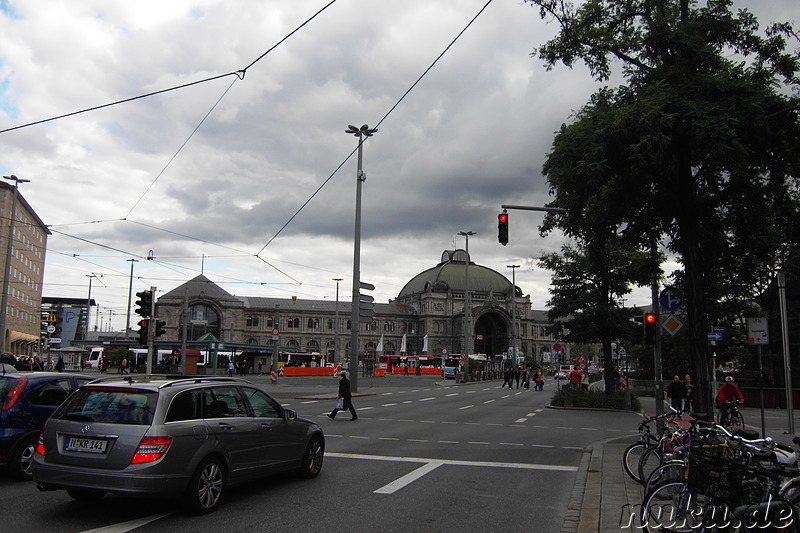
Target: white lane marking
(490, 464)
(531, 414)
(308, 402)
(388, 404)
(511, 444)
(388, 438)
(448, 441)
(130, 525)
(452, 394)
(409, 478)
(409, 401)
(365, 408)
(418, 440)
(427, 421)
(477, 442)
(448, 422)
(488, 401)
(520, 420)
(465, 407)
(426, 399)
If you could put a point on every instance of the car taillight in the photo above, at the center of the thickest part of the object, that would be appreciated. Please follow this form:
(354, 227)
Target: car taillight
(40, 445)
(14, 394)
(151, 449)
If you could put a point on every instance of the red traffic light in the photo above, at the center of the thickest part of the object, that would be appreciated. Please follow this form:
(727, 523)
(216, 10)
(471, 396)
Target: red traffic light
(502, 217)
(650, 318)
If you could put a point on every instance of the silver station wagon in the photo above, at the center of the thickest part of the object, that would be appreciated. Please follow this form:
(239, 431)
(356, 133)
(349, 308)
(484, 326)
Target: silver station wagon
(187, 438)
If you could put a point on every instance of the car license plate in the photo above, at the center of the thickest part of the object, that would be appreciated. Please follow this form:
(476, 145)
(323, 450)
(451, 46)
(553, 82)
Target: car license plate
(77, 444)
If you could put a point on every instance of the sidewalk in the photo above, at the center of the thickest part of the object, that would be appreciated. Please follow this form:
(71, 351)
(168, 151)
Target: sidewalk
(610, 498)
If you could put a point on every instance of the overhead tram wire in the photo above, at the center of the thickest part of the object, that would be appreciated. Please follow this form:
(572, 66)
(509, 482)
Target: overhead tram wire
(238, 73)
(385, 116)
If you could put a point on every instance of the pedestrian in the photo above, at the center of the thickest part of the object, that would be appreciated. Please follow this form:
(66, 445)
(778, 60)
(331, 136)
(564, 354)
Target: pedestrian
(517, 375)
(538, 380)
(419, 368)
(230, 369)
(103, 364)
(345, 396)
(259, 368)
(584, 380)
(676, 392)
(507, 377)
(60, 364)
(37, 364)
(575, 377)
(687, 403)
(123, 366)
(526, 378)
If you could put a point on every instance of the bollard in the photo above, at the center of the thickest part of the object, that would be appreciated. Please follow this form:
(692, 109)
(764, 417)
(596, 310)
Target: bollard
(568, 395)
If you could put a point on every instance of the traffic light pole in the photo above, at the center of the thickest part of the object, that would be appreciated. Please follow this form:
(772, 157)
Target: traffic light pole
(151, 323)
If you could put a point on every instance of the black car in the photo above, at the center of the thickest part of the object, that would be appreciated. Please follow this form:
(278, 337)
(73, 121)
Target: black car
(27, 399)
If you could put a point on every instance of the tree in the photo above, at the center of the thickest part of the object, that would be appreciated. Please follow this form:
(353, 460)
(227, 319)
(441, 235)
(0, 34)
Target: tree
(703, 151)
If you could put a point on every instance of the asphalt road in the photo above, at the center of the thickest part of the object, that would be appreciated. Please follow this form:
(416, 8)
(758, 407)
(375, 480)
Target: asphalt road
(424, 456)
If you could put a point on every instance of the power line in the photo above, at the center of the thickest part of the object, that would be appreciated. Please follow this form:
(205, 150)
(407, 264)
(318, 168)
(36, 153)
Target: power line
(238, 73)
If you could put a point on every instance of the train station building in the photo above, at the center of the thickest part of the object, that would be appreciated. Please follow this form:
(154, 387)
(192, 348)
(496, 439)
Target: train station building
(426, 318)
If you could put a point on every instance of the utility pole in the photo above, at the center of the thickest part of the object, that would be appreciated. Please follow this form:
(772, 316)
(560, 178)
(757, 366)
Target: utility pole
(130, 292)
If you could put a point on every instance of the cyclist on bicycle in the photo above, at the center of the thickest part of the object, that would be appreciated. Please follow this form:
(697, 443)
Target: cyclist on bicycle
(728, 392)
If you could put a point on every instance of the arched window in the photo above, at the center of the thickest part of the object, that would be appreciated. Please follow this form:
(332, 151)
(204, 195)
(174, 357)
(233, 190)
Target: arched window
(202, 321)
(252, 321)
(313, 323)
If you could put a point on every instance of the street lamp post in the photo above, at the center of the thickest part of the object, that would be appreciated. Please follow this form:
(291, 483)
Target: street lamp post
(362, 132)
(336, 358)
(514, 311)
(467, 307)
(88, 306)
(130, 291)
(9, 242)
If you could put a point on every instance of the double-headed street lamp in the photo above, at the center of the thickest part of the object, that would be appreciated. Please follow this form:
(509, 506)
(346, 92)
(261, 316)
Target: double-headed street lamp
(514, 312)
(336, 357)
(467, 307)
(362, 132)
(7, 272)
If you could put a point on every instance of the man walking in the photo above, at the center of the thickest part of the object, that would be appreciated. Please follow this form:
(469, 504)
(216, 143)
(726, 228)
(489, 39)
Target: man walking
(676, 393)
(344, 393)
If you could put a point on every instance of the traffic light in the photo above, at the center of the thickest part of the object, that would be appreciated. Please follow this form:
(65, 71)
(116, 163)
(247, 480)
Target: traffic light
(502, 228)
(144, 305)
(650, 328)
(144, 328)
(160, 328)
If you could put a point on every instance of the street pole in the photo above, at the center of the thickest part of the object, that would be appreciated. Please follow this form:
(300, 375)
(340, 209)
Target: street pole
(467, 307)
(513, 311)
(130, 292)
(787, 364)
(9, 243)
(88, 307)
(362, 132)
(151, 326)
(336, 357)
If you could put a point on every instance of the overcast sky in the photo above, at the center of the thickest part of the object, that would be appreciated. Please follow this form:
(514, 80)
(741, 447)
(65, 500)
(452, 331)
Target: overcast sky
(205, 178)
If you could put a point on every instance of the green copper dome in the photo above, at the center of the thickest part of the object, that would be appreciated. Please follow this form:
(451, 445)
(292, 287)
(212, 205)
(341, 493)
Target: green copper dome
(450, 275)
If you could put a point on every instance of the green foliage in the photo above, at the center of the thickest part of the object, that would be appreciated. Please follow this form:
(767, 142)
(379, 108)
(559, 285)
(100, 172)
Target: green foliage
(595, 399)
(116, 354)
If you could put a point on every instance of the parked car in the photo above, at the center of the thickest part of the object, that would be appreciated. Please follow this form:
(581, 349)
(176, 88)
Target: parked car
(187, 438)
(27, 399)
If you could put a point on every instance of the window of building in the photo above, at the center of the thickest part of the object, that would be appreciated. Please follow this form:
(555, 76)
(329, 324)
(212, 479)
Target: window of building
(388, 326)
(252, 321)
(293, 323)
(313, 323)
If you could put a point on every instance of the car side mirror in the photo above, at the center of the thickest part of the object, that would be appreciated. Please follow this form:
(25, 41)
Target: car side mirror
(290, 414)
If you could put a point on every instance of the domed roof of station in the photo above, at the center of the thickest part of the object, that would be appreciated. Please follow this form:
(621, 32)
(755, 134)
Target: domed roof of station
(449, 274)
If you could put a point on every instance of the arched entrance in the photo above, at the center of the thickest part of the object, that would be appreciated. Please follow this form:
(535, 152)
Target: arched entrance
(492, 334)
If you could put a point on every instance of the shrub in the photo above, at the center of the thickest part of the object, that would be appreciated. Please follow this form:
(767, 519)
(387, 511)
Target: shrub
(595, 399)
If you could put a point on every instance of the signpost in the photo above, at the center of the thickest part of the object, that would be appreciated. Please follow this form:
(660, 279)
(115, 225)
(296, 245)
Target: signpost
(758, 334)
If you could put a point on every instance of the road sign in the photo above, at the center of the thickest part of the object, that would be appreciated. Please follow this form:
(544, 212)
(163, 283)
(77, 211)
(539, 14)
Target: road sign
(671, 324)
(670, 299)
(757, 331)
(51, 329)
(556, 347)
(276, 331)
(714, 336)
(54, 340)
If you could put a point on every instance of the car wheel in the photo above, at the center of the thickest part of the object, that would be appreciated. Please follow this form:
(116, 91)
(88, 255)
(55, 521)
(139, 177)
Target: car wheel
(86, 495)
(205, 489)
(311, 464)
(20, 464)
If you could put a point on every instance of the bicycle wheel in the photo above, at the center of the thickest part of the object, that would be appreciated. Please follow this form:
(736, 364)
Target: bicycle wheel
(630, 460)
(670, 470)
(651, 459)
(671, 506)
(735, 421)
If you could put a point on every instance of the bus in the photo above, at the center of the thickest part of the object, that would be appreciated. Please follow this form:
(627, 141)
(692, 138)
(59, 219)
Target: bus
(400, 364)
(450, 368)
(313, 359)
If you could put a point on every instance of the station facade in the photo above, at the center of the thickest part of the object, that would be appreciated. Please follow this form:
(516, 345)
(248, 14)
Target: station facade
(426, 318)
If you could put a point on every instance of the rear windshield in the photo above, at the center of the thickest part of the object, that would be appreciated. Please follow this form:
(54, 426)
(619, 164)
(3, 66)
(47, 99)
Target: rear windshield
(110, 406)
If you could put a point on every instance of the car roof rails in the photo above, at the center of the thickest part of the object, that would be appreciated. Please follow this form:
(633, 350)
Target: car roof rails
(203, 379)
